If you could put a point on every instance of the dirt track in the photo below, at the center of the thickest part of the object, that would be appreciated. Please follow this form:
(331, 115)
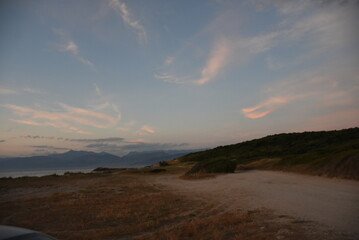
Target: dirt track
(330, 202)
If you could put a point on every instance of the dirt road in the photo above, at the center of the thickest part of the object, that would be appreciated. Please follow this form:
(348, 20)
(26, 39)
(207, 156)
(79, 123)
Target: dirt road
(330, 202)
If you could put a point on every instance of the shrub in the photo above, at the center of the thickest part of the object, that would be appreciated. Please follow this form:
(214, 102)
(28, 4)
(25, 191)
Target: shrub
(215, 165)
(157, 170)
(163, 164)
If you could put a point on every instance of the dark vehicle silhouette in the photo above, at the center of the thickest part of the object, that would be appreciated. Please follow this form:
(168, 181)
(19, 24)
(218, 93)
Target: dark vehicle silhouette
(16, 233)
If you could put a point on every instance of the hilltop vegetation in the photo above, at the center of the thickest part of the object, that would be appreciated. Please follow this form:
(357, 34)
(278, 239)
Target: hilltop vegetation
(329, 153)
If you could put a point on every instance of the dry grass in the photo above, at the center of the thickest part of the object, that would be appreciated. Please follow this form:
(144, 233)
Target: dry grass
(198, 176)
(125, 206)
(228, 225)
(265, 163)
(115, 206)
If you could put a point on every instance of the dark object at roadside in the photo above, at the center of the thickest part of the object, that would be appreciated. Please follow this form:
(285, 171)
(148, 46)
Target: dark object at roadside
(217, 165)
(163, 164)
(108, 170)
(15, 233)
(157, 170)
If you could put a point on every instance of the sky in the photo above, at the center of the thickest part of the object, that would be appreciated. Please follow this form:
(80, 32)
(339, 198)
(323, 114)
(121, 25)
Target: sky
(142, 75)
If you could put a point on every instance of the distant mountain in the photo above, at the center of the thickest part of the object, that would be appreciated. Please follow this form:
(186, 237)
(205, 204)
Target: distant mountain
(84, 159)
(152, 157)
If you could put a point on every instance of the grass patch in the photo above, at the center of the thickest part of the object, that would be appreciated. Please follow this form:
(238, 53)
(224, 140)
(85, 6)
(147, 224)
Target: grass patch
(228, 226)
(198, 176)
(216, 165)
(112, 207)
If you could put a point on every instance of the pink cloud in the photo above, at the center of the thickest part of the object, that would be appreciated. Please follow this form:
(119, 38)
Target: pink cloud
(78, 114)
(218, 58)
(148, 129)
(255, 115)
(217, 61)
(265, 108)
(33, 123)
(64, 120)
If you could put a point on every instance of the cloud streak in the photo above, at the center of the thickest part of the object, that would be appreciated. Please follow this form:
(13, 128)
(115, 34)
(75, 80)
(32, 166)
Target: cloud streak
(97, 140)
(70, 46)
(7, 91)
(63, 120)
(317, 32)
(330, 88)
(128, 18)
(147, 129)
(265, 108)
(218, 59)
(81, 140)
(48, 148)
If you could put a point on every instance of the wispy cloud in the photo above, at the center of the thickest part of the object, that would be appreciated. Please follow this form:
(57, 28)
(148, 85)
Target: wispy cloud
(33, 91)
(48, 148)
(72, 47)
(80, 140)
(39, 137)
(96, 140)
(317, 32)
(217, 60)
(97, 89)
(7, 91)
(265, 108)
(87, 117)
(128, 18)
(171, 78)
(329, 88)
(68, 45)
(146, 129)
(33, 123)
(169, 60)
(225, 51)
(63, 120)
(104, 101)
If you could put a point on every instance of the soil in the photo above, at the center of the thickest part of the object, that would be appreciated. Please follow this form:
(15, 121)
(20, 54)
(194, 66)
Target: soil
(328, 203)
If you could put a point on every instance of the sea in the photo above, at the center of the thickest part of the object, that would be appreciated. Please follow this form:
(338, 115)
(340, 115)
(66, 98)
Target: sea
(41, 173)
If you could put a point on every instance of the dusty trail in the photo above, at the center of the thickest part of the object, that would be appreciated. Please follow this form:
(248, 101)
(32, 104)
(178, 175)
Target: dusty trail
(330, 202)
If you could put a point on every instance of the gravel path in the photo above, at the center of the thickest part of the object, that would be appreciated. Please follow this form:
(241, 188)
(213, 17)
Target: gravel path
(330, 202)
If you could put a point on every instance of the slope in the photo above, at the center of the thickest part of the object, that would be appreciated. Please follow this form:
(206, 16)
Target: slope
(330, 153)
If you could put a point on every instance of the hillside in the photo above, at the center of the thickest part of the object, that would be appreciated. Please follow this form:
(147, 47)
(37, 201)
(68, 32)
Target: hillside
(329, 153)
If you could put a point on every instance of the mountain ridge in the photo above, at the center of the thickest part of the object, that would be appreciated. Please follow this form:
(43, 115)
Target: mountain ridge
(89, 159)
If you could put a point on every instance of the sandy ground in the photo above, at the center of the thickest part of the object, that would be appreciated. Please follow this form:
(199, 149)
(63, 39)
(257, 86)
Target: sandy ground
(333, 203)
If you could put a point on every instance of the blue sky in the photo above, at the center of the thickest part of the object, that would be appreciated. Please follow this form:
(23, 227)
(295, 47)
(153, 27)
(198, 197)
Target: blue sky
(138, 75)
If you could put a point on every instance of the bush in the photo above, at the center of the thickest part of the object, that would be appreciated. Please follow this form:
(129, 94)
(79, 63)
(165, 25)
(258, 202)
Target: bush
(157, 170)
(163, 164)
(216, 165)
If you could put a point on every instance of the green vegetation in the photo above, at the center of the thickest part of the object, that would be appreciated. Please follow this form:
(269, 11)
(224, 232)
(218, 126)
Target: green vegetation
(330, 153)
(163, 164)
(214, 165)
